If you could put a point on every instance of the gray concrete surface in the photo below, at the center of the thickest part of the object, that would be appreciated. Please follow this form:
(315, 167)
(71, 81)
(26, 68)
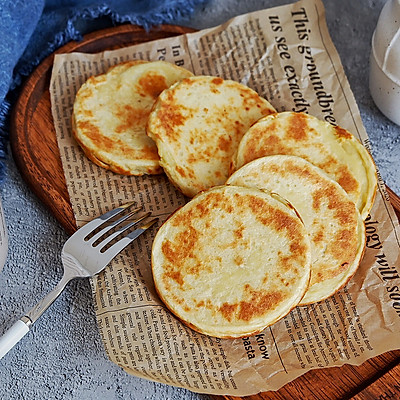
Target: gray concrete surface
(62, 357)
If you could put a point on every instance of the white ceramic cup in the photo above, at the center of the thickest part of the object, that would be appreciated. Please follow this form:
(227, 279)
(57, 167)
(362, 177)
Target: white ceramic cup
(384, 78)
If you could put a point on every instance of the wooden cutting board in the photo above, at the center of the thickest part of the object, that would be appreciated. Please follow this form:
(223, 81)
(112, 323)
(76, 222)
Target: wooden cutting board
(35, 151)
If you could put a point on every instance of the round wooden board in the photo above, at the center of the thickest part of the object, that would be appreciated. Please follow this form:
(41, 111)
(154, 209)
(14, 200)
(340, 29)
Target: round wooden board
(35, 151)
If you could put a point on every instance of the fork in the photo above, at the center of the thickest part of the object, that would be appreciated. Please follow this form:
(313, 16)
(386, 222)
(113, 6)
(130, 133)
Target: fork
(84, 255)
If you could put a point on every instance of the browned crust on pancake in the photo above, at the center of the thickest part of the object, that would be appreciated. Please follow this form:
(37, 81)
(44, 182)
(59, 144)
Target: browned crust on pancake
(184, 260)
(302, 135)
(197, 125)
(334, 225)
(112, 132)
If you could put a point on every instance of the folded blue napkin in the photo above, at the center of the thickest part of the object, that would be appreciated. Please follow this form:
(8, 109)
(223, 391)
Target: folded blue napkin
(31, 30)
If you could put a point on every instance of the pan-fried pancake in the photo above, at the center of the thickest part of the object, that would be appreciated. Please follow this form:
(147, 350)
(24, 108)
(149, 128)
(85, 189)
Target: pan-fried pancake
(333, 149)
(197, 125)
(110, 115)
(232, 261)
(332, 220)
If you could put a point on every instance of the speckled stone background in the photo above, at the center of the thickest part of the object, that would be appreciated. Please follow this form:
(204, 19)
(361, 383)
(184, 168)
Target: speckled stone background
(63, 357)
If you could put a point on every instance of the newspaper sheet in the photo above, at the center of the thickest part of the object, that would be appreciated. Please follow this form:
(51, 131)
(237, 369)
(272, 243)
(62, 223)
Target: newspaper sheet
(287, 56)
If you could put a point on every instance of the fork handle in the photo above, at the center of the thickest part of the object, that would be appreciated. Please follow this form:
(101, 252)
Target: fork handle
(22, 326)
(35, 312)
(13, 336)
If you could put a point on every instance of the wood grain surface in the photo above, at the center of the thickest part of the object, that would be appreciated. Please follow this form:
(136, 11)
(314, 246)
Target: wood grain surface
(35, 151)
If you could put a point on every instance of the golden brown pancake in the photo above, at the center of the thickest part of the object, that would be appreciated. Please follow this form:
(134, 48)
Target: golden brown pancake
(110, 115)
(331, 148)
(232, 261)
(335, 227)
(197, 125)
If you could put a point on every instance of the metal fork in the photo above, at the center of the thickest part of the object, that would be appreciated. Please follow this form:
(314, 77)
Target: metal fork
(84, 254)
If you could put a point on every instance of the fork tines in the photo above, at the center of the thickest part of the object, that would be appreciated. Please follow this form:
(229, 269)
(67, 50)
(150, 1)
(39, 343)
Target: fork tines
(112, 233)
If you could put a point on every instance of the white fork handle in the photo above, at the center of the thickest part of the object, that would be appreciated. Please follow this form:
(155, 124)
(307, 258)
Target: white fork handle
(22, 326)
(12, 337)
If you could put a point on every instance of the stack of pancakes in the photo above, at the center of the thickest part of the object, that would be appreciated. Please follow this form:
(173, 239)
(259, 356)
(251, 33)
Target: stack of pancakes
(279, 200)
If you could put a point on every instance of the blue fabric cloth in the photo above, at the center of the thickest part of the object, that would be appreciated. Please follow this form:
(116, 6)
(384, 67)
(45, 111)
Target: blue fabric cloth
(31, 30)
